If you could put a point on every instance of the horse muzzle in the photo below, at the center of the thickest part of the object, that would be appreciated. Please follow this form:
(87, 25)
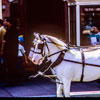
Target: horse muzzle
(38, 62)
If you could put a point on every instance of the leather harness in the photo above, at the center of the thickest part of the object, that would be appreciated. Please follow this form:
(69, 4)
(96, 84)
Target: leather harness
(61, 58)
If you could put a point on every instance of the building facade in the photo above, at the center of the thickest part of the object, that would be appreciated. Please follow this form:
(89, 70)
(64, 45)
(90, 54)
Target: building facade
(64, 19)
(5, 8)
(43, 16)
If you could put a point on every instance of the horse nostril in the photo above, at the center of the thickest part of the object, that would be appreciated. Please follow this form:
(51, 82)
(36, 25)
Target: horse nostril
(34, 61)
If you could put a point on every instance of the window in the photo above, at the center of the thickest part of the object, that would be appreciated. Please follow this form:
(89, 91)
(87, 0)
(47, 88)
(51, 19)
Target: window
(90, 16)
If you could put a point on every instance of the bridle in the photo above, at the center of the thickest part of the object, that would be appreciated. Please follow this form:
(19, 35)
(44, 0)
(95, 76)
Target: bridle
(46, 56)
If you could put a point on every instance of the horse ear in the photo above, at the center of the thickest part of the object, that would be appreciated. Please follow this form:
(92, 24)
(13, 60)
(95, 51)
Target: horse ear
(40, 37)
(37, 35)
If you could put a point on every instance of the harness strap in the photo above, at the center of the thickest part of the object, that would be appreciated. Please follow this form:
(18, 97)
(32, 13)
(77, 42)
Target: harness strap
(83, 65)
(58, 52)
(47, 47)
(59, 60)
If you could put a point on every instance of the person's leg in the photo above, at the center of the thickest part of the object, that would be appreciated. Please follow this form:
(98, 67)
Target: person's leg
(23, 73)
(0, 70)
(3, 71)
(11, 65)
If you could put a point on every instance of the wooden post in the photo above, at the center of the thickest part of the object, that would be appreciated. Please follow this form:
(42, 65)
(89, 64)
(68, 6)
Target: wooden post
(66, 20)
(0, 9)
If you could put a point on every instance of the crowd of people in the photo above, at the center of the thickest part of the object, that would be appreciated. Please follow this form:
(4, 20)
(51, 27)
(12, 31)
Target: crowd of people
(12, 52)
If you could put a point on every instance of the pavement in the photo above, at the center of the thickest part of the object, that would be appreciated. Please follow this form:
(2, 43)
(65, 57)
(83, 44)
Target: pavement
(42, 87)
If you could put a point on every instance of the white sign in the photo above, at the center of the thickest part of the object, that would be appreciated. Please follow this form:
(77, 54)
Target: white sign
(93, 40)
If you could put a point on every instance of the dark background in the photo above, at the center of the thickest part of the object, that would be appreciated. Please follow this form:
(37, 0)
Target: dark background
(45, 17)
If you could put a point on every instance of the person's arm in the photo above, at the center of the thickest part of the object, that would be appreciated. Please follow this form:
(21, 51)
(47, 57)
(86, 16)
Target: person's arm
(3, 31)
(25, 57)
(24, 54)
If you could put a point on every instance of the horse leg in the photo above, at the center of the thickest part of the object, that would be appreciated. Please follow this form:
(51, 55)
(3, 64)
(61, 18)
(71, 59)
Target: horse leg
(59, 89)
(67, 84)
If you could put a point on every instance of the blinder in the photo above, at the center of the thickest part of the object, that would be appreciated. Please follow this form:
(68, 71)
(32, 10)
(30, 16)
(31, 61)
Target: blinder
(40, 48)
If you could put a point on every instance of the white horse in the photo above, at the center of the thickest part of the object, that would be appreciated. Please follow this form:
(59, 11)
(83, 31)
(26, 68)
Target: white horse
(75, 66)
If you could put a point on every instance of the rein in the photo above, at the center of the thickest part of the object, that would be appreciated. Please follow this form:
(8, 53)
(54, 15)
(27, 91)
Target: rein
(94, 65)
(52, 65)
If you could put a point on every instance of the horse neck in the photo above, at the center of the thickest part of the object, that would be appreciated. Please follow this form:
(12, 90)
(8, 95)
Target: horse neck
(53, 49)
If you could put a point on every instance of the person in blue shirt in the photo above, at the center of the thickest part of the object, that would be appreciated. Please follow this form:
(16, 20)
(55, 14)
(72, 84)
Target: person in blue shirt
(22, 73)
(21, 50)
(95, 36)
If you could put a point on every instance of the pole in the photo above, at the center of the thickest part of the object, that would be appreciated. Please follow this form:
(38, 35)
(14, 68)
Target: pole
(78, 25)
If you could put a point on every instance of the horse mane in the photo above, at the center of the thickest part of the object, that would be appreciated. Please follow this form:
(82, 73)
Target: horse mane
(59, 43)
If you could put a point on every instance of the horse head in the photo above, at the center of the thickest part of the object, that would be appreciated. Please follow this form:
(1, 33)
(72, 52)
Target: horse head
(40, 49)
(45, 45)
(47, 49)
